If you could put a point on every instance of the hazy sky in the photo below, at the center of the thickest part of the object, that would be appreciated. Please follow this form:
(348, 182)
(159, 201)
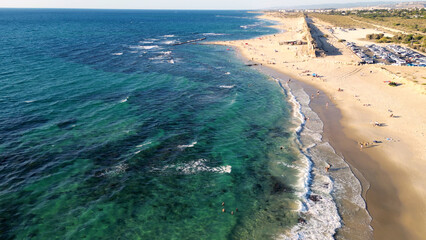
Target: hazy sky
(164, 4)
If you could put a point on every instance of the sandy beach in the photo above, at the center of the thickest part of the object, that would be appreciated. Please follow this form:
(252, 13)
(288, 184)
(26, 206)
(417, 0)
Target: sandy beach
(391, 167)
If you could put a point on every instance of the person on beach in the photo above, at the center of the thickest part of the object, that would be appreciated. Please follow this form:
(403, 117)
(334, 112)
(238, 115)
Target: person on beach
(326, 105)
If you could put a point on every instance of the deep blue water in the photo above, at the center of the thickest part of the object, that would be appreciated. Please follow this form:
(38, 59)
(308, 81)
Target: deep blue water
(108, 130)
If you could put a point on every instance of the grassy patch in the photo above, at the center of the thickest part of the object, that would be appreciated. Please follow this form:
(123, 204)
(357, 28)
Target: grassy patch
(337, 20)
(416, 41)
(412, 21)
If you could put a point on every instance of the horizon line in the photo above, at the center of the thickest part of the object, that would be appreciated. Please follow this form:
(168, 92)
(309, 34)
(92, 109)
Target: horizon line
(165, 9)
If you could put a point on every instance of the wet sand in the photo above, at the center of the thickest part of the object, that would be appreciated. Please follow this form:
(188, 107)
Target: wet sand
(376, 183)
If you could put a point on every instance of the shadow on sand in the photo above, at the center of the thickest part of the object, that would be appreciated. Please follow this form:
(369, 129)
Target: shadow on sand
(324, 46)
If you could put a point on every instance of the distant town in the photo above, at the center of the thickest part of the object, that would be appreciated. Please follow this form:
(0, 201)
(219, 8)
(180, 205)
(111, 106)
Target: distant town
(366, 6)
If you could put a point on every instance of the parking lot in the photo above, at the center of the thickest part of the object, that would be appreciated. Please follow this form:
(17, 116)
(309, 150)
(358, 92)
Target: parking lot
(389, 55)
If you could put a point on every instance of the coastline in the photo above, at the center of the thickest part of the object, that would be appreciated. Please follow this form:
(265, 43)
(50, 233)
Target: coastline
(395, 198)
(348, 187)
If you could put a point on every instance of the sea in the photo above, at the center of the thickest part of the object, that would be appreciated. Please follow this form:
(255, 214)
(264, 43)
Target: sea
(124, 124)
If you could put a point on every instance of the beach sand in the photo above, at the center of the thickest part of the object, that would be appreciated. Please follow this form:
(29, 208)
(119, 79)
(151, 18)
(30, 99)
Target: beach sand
(393, 169)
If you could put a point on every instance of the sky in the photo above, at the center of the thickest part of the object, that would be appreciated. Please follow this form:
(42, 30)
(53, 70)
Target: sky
(165, 4)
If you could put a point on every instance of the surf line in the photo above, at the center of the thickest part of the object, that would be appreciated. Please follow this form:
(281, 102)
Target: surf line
(189, 41)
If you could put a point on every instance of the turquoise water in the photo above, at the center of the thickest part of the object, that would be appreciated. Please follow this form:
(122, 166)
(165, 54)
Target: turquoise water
(108, 130)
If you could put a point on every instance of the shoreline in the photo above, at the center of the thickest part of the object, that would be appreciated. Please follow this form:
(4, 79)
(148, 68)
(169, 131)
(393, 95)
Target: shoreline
(357, 223)
(396, 206)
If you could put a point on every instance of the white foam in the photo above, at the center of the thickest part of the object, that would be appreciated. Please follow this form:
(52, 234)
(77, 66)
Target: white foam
(115, 170)
(118, 54)
(144, 47)
(169, 42)
(194, 167)
(200, 166)
(227, 86)
(251, 25)
(169, 36)
(143, 144)
(291, 166)
(29, 101)
(146, 42)
(124, 100)
(149, 47)
(224, 169)
(322, 217)
(227, 73)
(187, 146)
(214, 34)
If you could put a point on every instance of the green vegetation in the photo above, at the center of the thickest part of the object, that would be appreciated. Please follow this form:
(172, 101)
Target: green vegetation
(402, 19)
(381, 13)
(337, 20)
(416, 41)
(374, 36)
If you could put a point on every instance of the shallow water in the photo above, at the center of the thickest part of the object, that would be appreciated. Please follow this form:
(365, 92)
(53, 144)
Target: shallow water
(109, 130)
